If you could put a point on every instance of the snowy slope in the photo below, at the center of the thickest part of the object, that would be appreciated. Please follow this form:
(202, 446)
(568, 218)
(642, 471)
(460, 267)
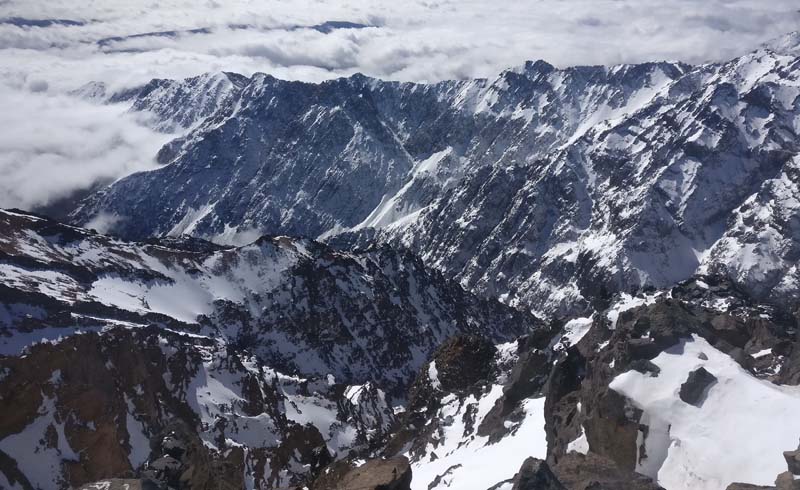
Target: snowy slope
(474, 462)
(299, 305)
(693, 447)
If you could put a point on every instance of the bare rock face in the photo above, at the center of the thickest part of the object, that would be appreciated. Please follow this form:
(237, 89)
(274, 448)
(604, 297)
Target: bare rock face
(593, 472)
(793, 461)
(462, 361)
(377, 474)
(535, 475)
(696, 387)
(748, 486)
(580, 404)
(787, 481)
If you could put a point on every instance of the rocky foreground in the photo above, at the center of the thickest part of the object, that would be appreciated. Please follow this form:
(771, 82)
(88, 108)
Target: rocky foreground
(288, 364)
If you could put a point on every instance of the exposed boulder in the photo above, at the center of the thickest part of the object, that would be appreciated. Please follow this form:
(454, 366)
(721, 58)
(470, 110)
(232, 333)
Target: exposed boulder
(793, 460)
(462, 361)
(644, 366)
(696, 387)
(593, 472)
(377, 474)
(535, 474)
(526, 379)
(786, 481)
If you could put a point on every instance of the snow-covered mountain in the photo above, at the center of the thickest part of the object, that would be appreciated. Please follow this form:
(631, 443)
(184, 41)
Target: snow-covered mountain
(649, 215)
(288, 364)
(550, 188)
(296, 304)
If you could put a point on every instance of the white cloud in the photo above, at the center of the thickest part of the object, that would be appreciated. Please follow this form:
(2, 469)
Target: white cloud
(56, 142)
(411, 40)
(53, 145)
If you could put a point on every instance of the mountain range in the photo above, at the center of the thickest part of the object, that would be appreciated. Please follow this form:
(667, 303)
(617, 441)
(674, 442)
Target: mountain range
(548, 188)
(559, 278)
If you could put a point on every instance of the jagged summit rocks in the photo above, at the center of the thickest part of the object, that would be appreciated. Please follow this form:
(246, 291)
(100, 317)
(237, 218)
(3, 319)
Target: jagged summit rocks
(376, 474)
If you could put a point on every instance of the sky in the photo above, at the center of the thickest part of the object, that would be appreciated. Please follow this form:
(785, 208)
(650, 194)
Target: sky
(54, 143)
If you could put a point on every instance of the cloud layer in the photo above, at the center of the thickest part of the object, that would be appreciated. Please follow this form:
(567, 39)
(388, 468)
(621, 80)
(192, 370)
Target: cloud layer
(53, 145)
(58, 144)
(117, 41)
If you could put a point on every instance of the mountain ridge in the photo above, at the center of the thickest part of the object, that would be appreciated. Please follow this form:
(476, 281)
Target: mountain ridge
(549, 188)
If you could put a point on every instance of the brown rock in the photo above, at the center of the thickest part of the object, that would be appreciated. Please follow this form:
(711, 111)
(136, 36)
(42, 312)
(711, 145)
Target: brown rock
(534, 474)
(463, 361)
(747, 486)
(786, 481)
(378, 474)
(793, 460)
(589, 471)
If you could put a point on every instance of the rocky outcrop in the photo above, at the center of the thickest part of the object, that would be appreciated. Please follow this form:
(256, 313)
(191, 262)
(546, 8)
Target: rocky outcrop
(180, 411)
(581, 406)
(376, 474)
(592, 472)
(534, 474)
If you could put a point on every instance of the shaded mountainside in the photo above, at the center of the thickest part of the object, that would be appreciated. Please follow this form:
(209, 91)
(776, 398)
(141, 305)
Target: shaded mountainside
(550, 188)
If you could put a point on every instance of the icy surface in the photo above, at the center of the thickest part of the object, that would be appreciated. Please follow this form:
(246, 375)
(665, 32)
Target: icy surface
(738, 434)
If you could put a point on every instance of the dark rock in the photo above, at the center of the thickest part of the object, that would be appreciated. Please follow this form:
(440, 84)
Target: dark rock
(613, 429)
(463, 361)
(793, 460)
(747, 486)
(790, 370)
(590, 471)
(527, 378)
(436, 481)
(645, 367)
(535, 474)
(378, 474)
(694, 390)
(643, 349)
